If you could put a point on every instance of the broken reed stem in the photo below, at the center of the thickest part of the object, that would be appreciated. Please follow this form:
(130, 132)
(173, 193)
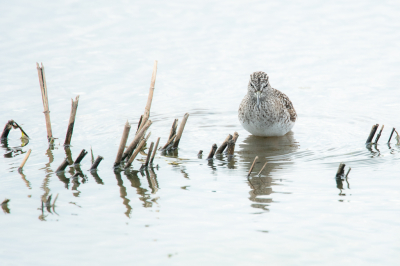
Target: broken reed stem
(63, 165)
(212, 152)
(136, 140)
(379, 135)
(74, 107)
(45, 100)
(180, 131)
(391, 134)
(7, 129)
(154, 151)
(25, 159)
(81, 156)
(96, 163)
(149, 154)
(340, 170)
(231, 147)
(252, 166)
(348, 171)
(169, 142)
(135, 153)
(224, 144)
(372, 133)
(146, 114)
(122, 144)
(259, 173)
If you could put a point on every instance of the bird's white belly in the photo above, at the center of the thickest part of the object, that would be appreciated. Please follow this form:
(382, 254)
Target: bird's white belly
(258, 128)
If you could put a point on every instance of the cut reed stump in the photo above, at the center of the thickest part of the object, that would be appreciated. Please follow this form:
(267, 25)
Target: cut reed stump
(154, 151)
(235, 136)
(259, 173)
(391, 134)
(96, 163)
(149, 155)
(340, 170)
(63, 165)
(74, 107)
(81, 156)
(224, 144)
(379, 135)
(231, 147)
(122, 144)
(43, 88)
(146, 114)
(135, 153)
(231, 144)
(180, 131)
(136, 140)
(24, 161)
(372, 133)
(212, 152)
(252, 166)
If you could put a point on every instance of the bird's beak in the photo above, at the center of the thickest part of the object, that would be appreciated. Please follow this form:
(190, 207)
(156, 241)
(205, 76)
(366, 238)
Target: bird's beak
(258, 94)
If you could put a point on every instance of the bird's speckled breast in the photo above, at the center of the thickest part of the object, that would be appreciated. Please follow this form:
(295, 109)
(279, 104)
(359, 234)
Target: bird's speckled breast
(274, 117)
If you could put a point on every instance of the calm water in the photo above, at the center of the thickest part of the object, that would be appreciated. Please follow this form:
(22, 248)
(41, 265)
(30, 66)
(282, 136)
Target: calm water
(338, 62)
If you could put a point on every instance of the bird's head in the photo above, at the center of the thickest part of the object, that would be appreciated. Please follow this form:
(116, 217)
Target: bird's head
(258, 85)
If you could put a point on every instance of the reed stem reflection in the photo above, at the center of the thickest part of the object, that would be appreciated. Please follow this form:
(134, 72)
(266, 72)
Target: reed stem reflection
(133, 177)
(123, 193)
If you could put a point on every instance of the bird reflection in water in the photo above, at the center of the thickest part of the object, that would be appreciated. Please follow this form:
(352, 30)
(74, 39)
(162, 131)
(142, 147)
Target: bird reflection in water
(269, 149)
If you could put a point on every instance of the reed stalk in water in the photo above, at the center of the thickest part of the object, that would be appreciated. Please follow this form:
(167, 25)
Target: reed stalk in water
(212, 152)
(154, 151)
(74, 107)
(379, 135)
(348, 171)
(340, 170)
(81, 156)
(122, 144)
(252, 166)
(146, 114)
(231, 147)
(149, 154)
(136, 140)
(372, 133)
(224, 144)
(180, 131)
(391, 134)
(24, 160)
(259, 173)
(135, 153)
(43, 89)
(96, 163)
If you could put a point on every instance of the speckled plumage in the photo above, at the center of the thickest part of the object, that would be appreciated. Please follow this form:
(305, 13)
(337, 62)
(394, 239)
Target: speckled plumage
(272, 114)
